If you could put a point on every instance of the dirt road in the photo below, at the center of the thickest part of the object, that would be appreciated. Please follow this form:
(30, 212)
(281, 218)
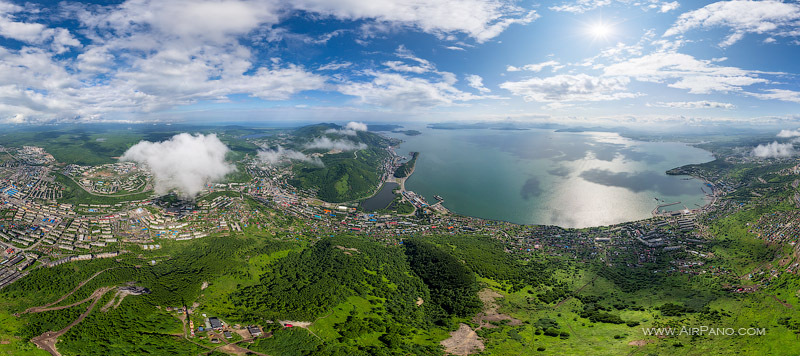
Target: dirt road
(47, 341)
(65, 296)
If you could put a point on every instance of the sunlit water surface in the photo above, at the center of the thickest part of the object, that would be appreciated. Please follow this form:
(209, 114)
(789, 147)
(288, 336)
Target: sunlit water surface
(552, 178)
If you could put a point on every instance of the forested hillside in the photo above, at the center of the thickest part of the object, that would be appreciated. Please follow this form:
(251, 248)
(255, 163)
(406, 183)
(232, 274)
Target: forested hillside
(346, 175)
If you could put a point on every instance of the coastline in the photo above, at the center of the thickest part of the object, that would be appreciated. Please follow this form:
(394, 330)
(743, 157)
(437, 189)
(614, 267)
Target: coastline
(636, 206)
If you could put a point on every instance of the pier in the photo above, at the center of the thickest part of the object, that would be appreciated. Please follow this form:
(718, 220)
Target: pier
(655, 211)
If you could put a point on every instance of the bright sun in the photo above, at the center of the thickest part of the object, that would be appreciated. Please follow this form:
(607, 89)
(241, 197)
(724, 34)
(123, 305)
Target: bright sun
(600, 30)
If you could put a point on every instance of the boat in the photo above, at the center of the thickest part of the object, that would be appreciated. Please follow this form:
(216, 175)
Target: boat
(438, 197)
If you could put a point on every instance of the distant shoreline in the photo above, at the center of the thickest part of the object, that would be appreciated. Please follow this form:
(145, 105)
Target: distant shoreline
(694, 200)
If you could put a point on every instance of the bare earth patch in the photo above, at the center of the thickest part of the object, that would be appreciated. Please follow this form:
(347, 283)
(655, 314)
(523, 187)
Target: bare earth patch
(463, 341)
(231, 349)
(111, 302)
(299, 324)
(353, 249)
(490, 310)
(244, 334)
(640, 342)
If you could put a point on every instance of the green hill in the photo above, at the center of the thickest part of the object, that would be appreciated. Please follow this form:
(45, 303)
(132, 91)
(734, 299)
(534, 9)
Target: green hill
(347, 175)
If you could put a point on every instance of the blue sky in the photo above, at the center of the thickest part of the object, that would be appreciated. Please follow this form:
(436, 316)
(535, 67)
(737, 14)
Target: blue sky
(639, 62)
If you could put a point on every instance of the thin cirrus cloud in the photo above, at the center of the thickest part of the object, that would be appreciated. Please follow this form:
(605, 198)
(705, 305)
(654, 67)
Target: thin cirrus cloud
(394, 88)
(778, 94)
(581, 6)
(702, 104)
(536, 67)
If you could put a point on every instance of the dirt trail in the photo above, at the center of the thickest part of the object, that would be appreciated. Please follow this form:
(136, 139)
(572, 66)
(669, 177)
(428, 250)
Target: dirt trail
(237, 350)
(301, 324)
(576, 292)
(65, 296)
(44, 309)
(780, 301)
(116, 300)
(47, 341)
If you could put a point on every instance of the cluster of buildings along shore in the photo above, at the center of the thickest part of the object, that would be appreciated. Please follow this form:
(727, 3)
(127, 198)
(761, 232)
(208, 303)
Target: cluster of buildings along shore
(37, 230)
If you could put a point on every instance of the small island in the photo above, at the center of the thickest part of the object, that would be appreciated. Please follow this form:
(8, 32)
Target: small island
(408, 132)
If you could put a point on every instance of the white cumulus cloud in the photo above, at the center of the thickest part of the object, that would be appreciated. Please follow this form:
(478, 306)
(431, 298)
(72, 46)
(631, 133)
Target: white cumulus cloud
(481, 20)
(789, 133)
(326, 143)
(567, 87)
(275, 156)
(184, 163)
(140, 56)
(683, 71)
(669, 6)
(356, 126)
(351, 129)
(774, 149)
(396, 91)
(742, 17)
(476, 82)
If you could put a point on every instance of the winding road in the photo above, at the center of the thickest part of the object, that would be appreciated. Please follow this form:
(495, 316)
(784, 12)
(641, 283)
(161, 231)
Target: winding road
(47, 341)
(65, 296)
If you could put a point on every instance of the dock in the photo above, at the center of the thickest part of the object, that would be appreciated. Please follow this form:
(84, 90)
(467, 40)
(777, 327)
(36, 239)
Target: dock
(655, 211)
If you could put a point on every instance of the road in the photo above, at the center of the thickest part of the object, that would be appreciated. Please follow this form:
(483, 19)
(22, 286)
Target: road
(147, 188)
(47, 341)
(65, 296)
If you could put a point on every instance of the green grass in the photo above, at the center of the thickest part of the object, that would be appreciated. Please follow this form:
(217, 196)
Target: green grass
(10, 343)
(288, 342)
(587, 338)
(324, 326)
(216, 298)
